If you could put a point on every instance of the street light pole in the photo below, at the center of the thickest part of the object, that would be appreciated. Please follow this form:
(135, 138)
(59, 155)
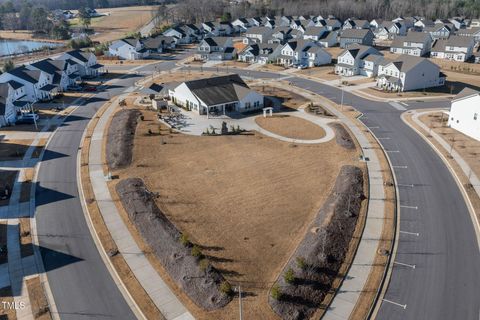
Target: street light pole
(240, 301)
(341, 102)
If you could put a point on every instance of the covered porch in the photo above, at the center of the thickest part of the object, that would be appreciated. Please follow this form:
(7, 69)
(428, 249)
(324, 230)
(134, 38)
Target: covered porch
(219, 109)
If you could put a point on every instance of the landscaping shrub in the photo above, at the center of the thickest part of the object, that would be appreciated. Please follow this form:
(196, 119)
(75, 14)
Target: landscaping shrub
(226, 288)
(276, 292)
(289, 276)
(301, 263)
(184, 240)
(196, 252)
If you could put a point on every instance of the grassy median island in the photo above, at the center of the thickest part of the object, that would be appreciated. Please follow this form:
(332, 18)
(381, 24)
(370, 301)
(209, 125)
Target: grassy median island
(291, 127)
(240, 204)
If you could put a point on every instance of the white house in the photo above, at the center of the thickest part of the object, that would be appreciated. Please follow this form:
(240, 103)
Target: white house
(414, 44)
(260, 53)
(87, 62)
(438, 31)
(472, 32)
(408, 73)
(317, 56)
(128, 49)
(389, 29)
(241, 25)
(314, 33)
(36, 84)
(294, 52)
(217, 95)
(455, 48)
(465, 113)
(329, 39)
(7, 110)
(350, 61)
(215, 48)
(62, 72)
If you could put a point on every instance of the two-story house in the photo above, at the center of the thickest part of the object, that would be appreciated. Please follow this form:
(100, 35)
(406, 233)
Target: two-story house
(215, 48)
(350, 61)
(258, 34)
(260, 53)
(293, 52)
(314, 33)
(438, 31)
(358, 36)
(414, 44)
(128, 49)
(457, 48)
(408, 73)
(87, 62)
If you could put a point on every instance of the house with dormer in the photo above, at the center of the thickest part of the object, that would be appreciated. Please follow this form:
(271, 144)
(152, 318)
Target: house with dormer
(86, 61)
(294, 52)
(128, 49)
(215, 48)
(37, 84)
(63, 73)
(262, 53)
(350, 61)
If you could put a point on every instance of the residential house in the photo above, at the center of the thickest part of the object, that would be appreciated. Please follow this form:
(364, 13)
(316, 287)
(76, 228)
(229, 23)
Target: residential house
(294, 52)
(62, 73)
(408, 73)
(371, 63)
(329, 39)
(420, 25)
(179, 35)
(217, 95)
(314, 33)
(389, 30)
(356, 24)
(281, 35)
(258, 34)
(464, 115)
(472, 32)
(316, 56)
(11, 104)
(457, 48)
(215, 48)
(159, 44)
(350, 61)
(241, 25)
(474, 23)
(260, 53)
(414, 43)
(359, 36)
(375, 23)
(333, 24)
(438, 31)
(36, 84)
(87, 62)
(128, 49)
(223, 28)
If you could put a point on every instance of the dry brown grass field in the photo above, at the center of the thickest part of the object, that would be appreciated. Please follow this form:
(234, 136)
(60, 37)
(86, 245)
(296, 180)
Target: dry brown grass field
(246, 200)
(291, 127)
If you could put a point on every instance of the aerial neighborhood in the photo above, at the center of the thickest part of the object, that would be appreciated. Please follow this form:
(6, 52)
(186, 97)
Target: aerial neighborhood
(244, 159)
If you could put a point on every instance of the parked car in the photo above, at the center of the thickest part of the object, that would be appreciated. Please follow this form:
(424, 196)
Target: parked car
(27, 118)
(90, 89)
(301, 66)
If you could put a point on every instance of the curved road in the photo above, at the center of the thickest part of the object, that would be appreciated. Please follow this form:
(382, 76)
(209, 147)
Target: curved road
(445, 283)
(80, 283)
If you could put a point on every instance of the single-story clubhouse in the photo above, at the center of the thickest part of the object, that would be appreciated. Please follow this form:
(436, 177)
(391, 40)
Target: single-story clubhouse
(217, 95)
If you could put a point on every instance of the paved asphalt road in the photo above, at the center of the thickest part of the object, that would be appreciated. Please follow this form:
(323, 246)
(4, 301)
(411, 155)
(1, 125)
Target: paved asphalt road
(80, 283)
(445, 283)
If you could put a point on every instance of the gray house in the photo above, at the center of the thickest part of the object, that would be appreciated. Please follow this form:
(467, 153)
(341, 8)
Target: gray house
(358, 36)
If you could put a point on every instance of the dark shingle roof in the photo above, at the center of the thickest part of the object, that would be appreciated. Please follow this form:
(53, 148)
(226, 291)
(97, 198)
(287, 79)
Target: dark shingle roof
(217, 90)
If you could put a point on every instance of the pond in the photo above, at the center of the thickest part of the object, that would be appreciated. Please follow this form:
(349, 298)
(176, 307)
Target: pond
(8, 47)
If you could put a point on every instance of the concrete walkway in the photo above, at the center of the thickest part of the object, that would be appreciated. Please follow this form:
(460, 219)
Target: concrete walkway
(149, 279)
(195, 124)
(352, 286)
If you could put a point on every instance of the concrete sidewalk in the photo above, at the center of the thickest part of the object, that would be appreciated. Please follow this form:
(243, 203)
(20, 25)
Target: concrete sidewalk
(352, 286)
(147, 276)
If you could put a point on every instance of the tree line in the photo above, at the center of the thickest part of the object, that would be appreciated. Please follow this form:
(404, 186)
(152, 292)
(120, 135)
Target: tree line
(77, 4)
(26, 16)
(194, 11)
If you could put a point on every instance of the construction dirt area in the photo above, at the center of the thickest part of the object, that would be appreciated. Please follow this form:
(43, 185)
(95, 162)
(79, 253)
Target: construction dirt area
(245, 202)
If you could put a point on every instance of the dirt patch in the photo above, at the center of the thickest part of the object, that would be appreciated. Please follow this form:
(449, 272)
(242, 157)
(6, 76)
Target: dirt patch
(316, 261)
(326, 73)
(26, 186)
(7, 180)
(26, 247)
(291, 127)
(201, 283)
(6, 297)
(38, 300)
(120, 138)
(342, 136)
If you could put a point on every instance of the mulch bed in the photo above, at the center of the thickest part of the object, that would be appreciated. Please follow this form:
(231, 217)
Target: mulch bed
(342, 137)
(201, 284)
(121, 133)
(322, 251)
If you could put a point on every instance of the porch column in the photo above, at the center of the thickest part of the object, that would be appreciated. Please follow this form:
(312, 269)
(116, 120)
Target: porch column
(223, 109)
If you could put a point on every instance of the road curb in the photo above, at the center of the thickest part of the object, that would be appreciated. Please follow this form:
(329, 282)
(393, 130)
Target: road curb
(91, 226)
(471, 209)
